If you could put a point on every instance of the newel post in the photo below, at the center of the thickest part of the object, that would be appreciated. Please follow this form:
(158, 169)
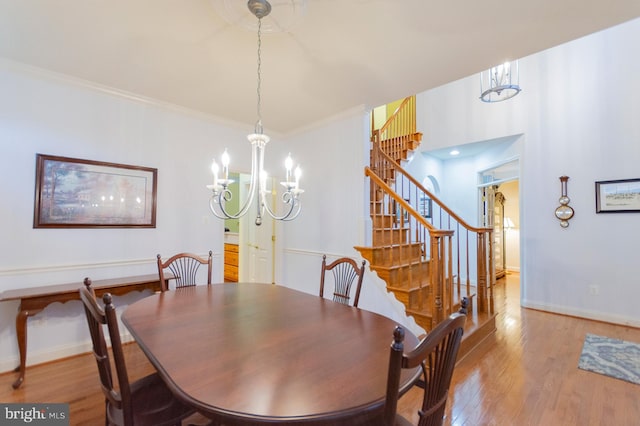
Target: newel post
(438, 270)
(485, 270)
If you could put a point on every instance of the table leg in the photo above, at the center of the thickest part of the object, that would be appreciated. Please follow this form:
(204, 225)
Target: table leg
(21, 332)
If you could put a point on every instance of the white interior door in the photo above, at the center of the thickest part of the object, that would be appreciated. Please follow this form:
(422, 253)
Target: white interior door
(256, 243)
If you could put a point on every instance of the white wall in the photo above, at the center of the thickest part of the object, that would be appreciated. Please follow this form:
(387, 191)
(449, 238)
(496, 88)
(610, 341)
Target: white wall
(45, 113)
(578, 114)
(336, 211)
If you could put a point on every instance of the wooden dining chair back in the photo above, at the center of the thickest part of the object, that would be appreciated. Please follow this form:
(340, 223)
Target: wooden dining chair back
(346, 272)
(184, 267)
(144, 402)
(436, 355)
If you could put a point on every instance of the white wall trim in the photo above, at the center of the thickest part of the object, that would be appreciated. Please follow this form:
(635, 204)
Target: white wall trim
(56, 353)
(501, 162)
(74, 267)
(314, 253)
(42, 73)
(351, 112)
(85, 266)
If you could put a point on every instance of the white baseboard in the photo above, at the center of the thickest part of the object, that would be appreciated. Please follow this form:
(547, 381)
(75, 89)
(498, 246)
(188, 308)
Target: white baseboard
(52, 354)
(582, 313)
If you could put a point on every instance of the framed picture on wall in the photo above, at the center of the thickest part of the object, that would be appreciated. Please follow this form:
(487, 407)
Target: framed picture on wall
(425, 207)
(74, 193)
(618, 196)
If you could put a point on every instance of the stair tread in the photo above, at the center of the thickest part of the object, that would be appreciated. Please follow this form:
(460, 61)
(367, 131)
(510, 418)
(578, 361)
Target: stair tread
(421, 313)
(395, 267)
(383, 246)
(406, 290)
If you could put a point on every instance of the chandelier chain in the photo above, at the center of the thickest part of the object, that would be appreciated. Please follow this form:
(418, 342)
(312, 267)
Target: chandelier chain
(258, 187)
(258, 128)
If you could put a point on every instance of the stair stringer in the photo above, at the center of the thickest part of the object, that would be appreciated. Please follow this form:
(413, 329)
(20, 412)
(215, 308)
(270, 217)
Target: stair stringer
(383, 300)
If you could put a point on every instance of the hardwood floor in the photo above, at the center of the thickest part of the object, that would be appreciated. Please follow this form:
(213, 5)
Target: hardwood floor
(526, 374)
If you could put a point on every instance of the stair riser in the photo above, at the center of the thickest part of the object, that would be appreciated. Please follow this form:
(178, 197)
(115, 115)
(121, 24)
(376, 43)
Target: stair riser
(375, 193)
(387, 174)
(415, 300)
(383, 221)
(423, 320)
(411, 299)
(416, 275)
(389, 256)
(379, 208)
(419, 299)
(389, 236)
(383, 208)
(406, 277)
(402, 296)
(413, 145)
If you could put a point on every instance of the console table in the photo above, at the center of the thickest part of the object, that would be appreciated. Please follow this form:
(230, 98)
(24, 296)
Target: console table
(35, 299)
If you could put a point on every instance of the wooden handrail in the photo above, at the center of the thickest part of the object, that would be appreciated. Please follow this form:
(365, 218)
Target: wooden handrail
(406, 107)
(442, 205)
(370, 174)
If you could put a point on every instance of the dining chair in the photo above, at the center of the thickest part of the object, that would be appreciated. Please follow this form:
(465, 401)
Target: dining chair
(345, 272)
(146, 401)
(436, 356)
(184, 267)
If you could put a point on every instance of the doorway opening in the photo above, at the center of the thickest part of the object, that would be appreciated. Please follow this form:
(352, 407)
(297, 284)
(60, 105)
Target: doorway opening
(249, 254)
(499, 196)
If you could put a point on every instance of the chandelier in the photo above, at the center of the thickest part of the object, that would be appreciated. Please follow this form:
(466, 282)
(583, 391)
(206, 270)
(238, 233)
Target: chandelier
(258, 188)
(500, 83)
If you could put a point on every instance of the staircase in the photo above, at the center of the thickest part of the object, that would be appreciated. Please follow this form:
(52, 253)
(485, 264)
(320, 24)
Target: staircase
(430, 258)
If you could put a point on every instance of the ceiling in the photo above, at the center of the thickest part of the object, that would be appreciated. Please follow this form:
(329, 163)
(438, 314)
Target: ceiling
(339, 55)
(471, 149)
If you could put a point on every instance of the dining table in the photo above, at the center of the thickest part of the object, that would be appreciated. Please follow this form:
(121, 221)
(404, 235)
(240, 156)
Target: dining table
(254, 354)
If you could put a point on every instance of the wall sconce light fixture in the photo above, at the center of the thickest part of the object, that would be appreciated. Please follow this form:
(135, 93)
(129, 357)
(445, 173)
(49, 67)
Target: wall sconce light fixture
(564, 212)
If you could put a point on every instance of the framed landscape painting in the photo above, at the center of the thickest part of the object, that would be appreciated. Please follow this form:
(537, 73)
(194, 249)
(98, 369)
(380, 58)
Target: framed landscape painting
(618, 196)
(74, 193)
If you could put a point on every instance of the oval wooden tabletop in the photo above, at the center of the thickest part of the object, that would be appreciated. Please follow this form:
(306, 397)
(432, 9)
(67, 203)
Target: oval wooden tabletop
(251, 353)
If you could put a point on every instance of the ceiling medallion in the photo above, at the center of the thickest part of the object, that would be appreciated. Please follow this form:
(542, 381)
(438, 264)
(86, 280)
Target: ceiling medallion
(281, 17)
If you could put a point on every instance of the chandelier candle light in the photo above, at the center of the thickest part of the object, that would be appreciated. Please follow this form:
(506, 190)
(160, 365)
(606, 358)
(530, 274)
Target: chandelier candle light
(258, 183)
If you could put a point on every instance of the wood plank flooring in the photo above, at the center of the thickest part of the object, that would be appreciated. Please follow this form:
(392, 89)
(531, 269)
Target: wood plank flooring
(526, 374)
